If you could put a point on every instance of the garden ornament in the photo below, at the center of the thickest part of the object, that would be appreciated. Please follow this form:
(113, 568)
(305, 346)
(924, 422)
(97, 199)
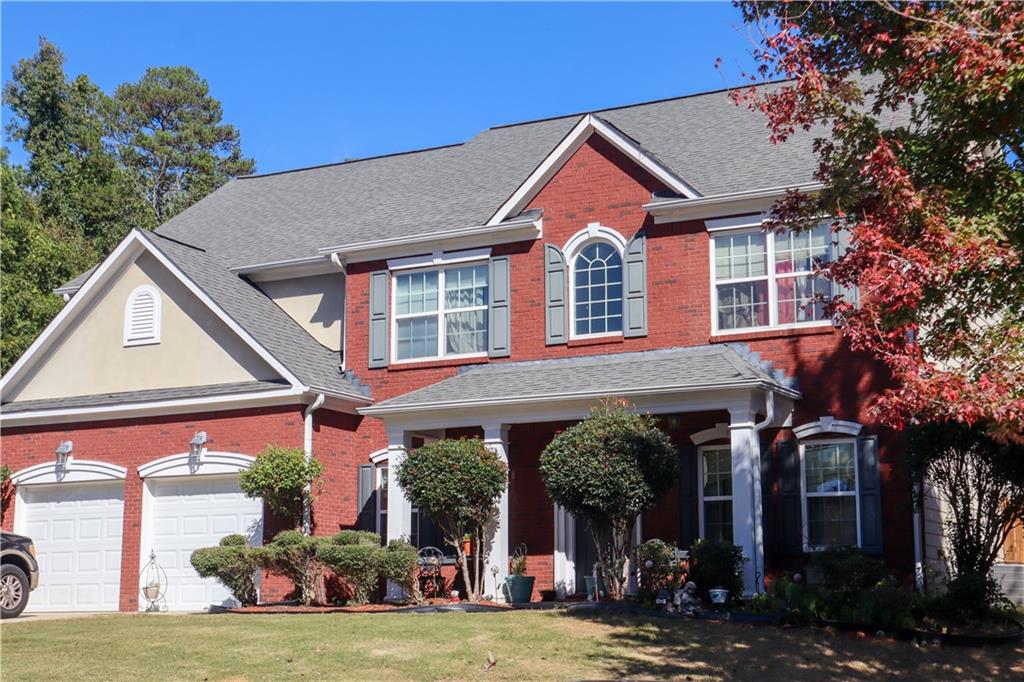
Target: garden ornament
(687, 601)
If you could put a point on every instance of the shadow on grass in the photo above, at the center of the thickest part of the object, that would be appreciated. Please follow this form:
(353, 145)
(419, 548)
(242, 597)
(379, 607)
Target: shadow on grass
(641, 647)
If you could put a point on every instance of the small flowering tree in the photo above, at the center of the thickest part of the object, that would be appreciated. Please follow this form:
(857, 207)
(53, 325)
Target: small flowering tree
(282, 477)
(458, 484)
(917, 112)
(606, 470)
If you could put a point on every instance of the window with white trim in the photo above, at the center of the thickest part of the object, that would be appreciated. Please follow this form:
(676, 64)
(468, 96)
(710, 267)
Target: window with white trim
(597, 290)
(142, 313)
(716, 493)
(766, 279)
(830, 485)
(440, 312)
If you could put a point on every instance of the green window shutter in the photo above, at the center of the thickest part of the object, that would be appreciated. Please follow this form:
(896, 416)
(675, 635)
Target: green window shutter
(379, 319)
(689, 518)
(555, 299)
(499, 319)
(870, 495)
(634, 289)
(791, 529)
(367, 499)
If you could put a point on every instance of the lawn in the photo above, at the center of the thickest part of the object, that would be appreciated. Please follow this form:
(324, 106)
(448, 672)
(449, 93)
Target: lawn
(527, 645)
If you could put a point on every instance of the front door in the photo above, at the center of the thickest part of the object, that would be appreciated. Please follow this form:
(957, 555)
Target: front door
(586, 555)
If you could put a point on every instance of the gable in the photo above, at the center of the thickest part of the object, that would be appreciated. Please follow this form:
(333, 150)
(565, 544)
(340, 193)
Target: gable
(91, 356)
(316, 303)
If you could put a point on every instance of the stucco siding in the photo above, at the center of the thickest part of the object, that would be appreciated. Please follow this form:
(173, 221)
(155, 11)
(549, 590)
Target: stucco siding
(316, 303)
(195, 349)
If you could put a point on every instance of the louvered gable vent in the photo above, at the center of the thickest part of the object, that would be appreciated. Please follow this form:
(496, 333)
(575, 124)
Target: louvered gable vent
(142, 317)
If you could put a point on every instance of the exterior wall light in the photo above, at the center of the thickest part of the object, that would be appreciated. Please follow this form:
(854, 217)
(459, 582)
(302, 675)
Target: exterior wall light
(63, 453)
(196, 448)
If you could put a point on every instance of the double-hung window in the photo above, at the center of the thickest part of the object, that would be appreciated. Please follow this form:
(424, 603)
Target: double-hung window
(767, 279)
(831, 505)
(440, 313)
(716, 494)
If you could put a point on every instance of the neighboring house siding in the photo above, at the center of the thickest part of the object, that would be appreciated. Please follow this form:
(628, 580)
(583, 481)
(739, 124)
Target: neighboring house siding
(195, 348)
(133, 442)
(316, 303)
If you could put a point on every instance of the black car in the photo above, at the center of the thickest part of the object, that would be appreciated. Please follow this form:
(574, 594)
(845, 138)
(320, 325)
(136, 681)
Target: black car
(19, 573)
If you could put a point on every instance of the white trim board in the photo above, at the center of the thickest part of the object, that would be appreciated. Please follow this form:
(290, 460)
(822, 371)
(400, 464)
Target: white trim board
(130, 248)
(570, 144)
(208, 464)
(75, 471)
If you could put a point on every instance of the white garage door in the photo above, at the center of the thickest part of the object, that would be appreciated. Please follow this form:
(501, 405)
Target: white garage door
(187, 514)
(77, 531)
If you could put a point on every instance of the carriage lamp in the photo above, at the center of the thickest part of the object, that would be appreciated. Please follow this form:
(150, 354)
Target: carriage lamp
(63, 455)
(197, 445)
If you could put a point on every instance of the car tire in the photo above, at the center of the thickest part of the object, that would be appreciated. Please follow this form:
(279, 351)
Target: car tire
(13, 591)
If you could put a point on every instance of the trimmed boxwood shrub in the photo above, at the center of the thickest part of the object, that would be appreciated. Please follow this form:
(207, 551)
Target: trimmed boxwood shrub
(233, 563)
(398, 562)
(357, 564)
(293, 555)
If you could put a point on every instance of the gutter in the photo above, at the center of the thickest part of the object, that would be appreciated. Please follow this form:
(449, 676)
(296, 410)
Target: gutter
(668, 210)
(307, 442)
(756, 501)
(918, 541)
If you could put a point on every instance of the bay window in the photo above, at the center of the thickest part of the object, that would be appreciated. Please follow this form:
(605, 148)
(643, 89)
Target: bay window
(766, 279)
(830, 484)
(440, 313)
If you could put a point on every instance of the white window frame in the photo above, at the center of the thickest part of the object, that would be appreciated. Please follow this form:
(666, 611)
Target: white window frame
(804, 494)
(770, 277)
(380, 474)
(439, 313)
(701, 499)
(594, 232)
(129, 306)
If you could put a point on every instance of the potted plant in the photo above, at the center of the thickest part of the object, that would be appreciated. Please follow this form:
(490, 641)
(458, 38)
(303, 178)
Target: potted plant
(152, 590)
(467, 544)
(518, 584)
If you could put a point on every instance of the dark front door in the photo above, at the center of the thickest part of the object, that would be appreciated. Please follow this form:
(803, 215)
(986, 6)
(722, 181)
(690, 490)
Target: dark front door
(586, 555)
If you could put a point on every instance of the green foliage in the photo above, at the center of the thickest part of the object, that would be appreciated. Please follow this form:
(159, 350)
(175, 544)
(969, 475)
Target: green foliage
(356, 537)
(168, 132)
(761, 604)
(717, 564)
(279, 476)
(398, 563)
(981, 484)
(606, 470)
(846, 575)
(458, 484)
(5, 473)
(233, 563)
(971, 598)
(294, 556)
(662, 567)
(517, 565)
(357, 564)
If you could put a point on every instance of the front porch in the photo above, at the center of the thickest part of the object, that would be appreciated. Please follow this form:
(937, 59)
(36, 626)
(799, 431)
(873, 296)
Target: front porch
(715, 405)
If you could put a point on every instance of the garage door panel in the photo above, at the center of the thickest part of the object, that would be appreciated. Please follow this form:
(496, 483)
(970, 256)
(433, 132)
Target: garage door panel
(77, 531)
(188, 514)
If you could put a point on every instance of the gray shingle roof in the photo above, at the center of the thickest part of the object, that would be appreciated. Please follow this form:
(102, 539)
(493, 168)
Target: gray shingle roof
(313, 364)
(128, 397)
(712, 144)
(621, 374)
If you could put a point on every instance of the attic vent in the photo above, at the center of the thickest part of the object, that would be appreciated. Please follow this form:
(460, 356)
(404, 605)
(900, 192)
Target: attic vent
(142, 317)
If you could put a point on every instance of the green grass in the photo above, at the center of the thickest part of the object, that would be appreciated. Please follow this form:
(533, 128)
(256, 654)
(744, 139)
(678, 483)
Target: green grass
(527, 645)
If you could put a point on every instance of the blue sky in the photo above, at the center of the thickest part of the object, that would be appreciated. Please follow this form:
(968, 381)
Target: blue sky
(317, 83)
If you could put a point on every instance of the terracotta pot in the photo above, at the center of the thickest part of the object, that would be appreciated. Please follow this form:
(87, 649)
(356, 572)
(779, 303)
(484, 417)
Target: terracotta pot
(467, 547)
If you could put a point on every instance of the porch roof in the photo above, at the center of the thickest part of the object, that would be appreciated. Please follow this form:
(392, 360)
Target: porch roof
(672, 370)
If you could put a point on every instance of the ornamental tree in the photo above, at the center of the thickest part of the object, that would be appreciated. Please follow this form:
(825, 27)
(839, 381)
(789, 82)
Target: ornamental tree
(280, 476)
(918, 114)
(458, 484)
(606, 470)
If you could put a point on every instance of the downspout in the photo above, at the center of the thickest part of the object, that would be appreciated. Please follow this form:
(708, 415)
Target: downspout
(756, 503)
(307, 445)
(336, 261)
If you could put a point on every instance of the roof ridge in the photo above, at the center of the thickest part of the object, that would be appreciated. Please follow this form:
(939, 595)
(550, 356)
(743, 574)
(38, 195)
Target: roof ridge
(176, 241)
(253, 176)
(691, 95)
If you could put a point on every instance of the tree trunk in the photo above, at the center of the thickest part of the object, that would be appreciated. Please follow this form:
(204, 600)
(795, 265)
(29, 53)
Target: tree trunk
(464, 562)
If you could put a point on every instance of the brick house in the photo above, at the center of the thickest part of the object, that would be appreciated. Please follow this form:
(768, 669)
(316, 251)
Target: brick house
(496, 288)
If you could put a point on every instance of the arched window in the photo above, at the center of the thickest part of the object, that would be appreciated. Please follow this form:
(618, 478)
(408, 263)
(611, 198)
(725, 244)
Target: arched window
(142, 317)
(597, 290)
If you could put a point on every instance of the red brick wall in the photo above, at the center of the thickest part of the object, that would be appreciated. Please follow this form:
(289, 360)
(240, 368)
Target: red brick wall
(133, 442)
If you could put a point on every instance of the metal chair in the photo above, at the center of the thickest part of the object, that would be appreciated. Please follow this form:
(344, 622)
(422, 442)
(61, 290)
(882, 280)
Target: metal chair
(429, 561)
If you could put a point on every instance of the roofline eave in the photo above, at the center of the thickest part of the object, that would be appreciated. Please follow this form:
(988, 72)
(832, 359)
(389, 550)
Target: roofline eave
(674, 210)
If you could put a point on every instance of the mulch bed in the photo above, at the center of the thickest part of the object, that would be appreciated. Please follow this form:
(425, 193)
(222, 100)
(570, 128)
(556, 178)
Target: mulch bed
(442, 604)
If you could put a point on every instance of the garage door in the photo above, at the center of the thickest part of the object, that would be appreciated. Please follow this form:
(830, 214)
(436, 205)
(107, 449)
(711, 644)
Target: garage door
(191, 513)
(77, 531)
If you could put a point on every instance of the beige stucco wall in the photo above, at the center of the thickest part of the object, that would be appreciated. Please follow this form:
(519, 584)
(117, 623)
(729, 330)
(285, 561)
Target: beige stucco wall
(316, 303)
(196, 348)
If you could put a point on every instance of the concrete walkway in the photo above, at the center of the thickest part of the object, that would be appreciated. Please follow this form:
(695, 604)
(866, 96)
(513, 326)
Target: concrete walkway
(57, 615)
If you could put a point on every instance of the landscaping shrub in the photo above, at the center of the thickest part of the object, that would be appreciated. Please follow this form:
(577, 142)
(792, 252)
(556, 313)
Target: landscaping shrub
(846, 574)
(279, 477)
(233, 563)
(356, 564)
(658, 574)
(970, 598)
(294, 556)
(606, 470)
(717, 564)
(458, 484)
(356, 537)
(398, 563)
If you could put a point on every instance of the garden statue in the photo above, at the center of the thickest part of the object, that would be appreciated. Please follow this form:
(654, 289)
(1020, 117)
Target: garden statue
(687, 601)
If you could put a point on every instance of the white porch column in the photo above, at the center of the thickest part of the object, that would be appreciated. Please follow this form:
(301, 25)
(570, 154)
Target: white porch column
(496, 440)
(747, 521)
(399, 507)
(565, 553)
